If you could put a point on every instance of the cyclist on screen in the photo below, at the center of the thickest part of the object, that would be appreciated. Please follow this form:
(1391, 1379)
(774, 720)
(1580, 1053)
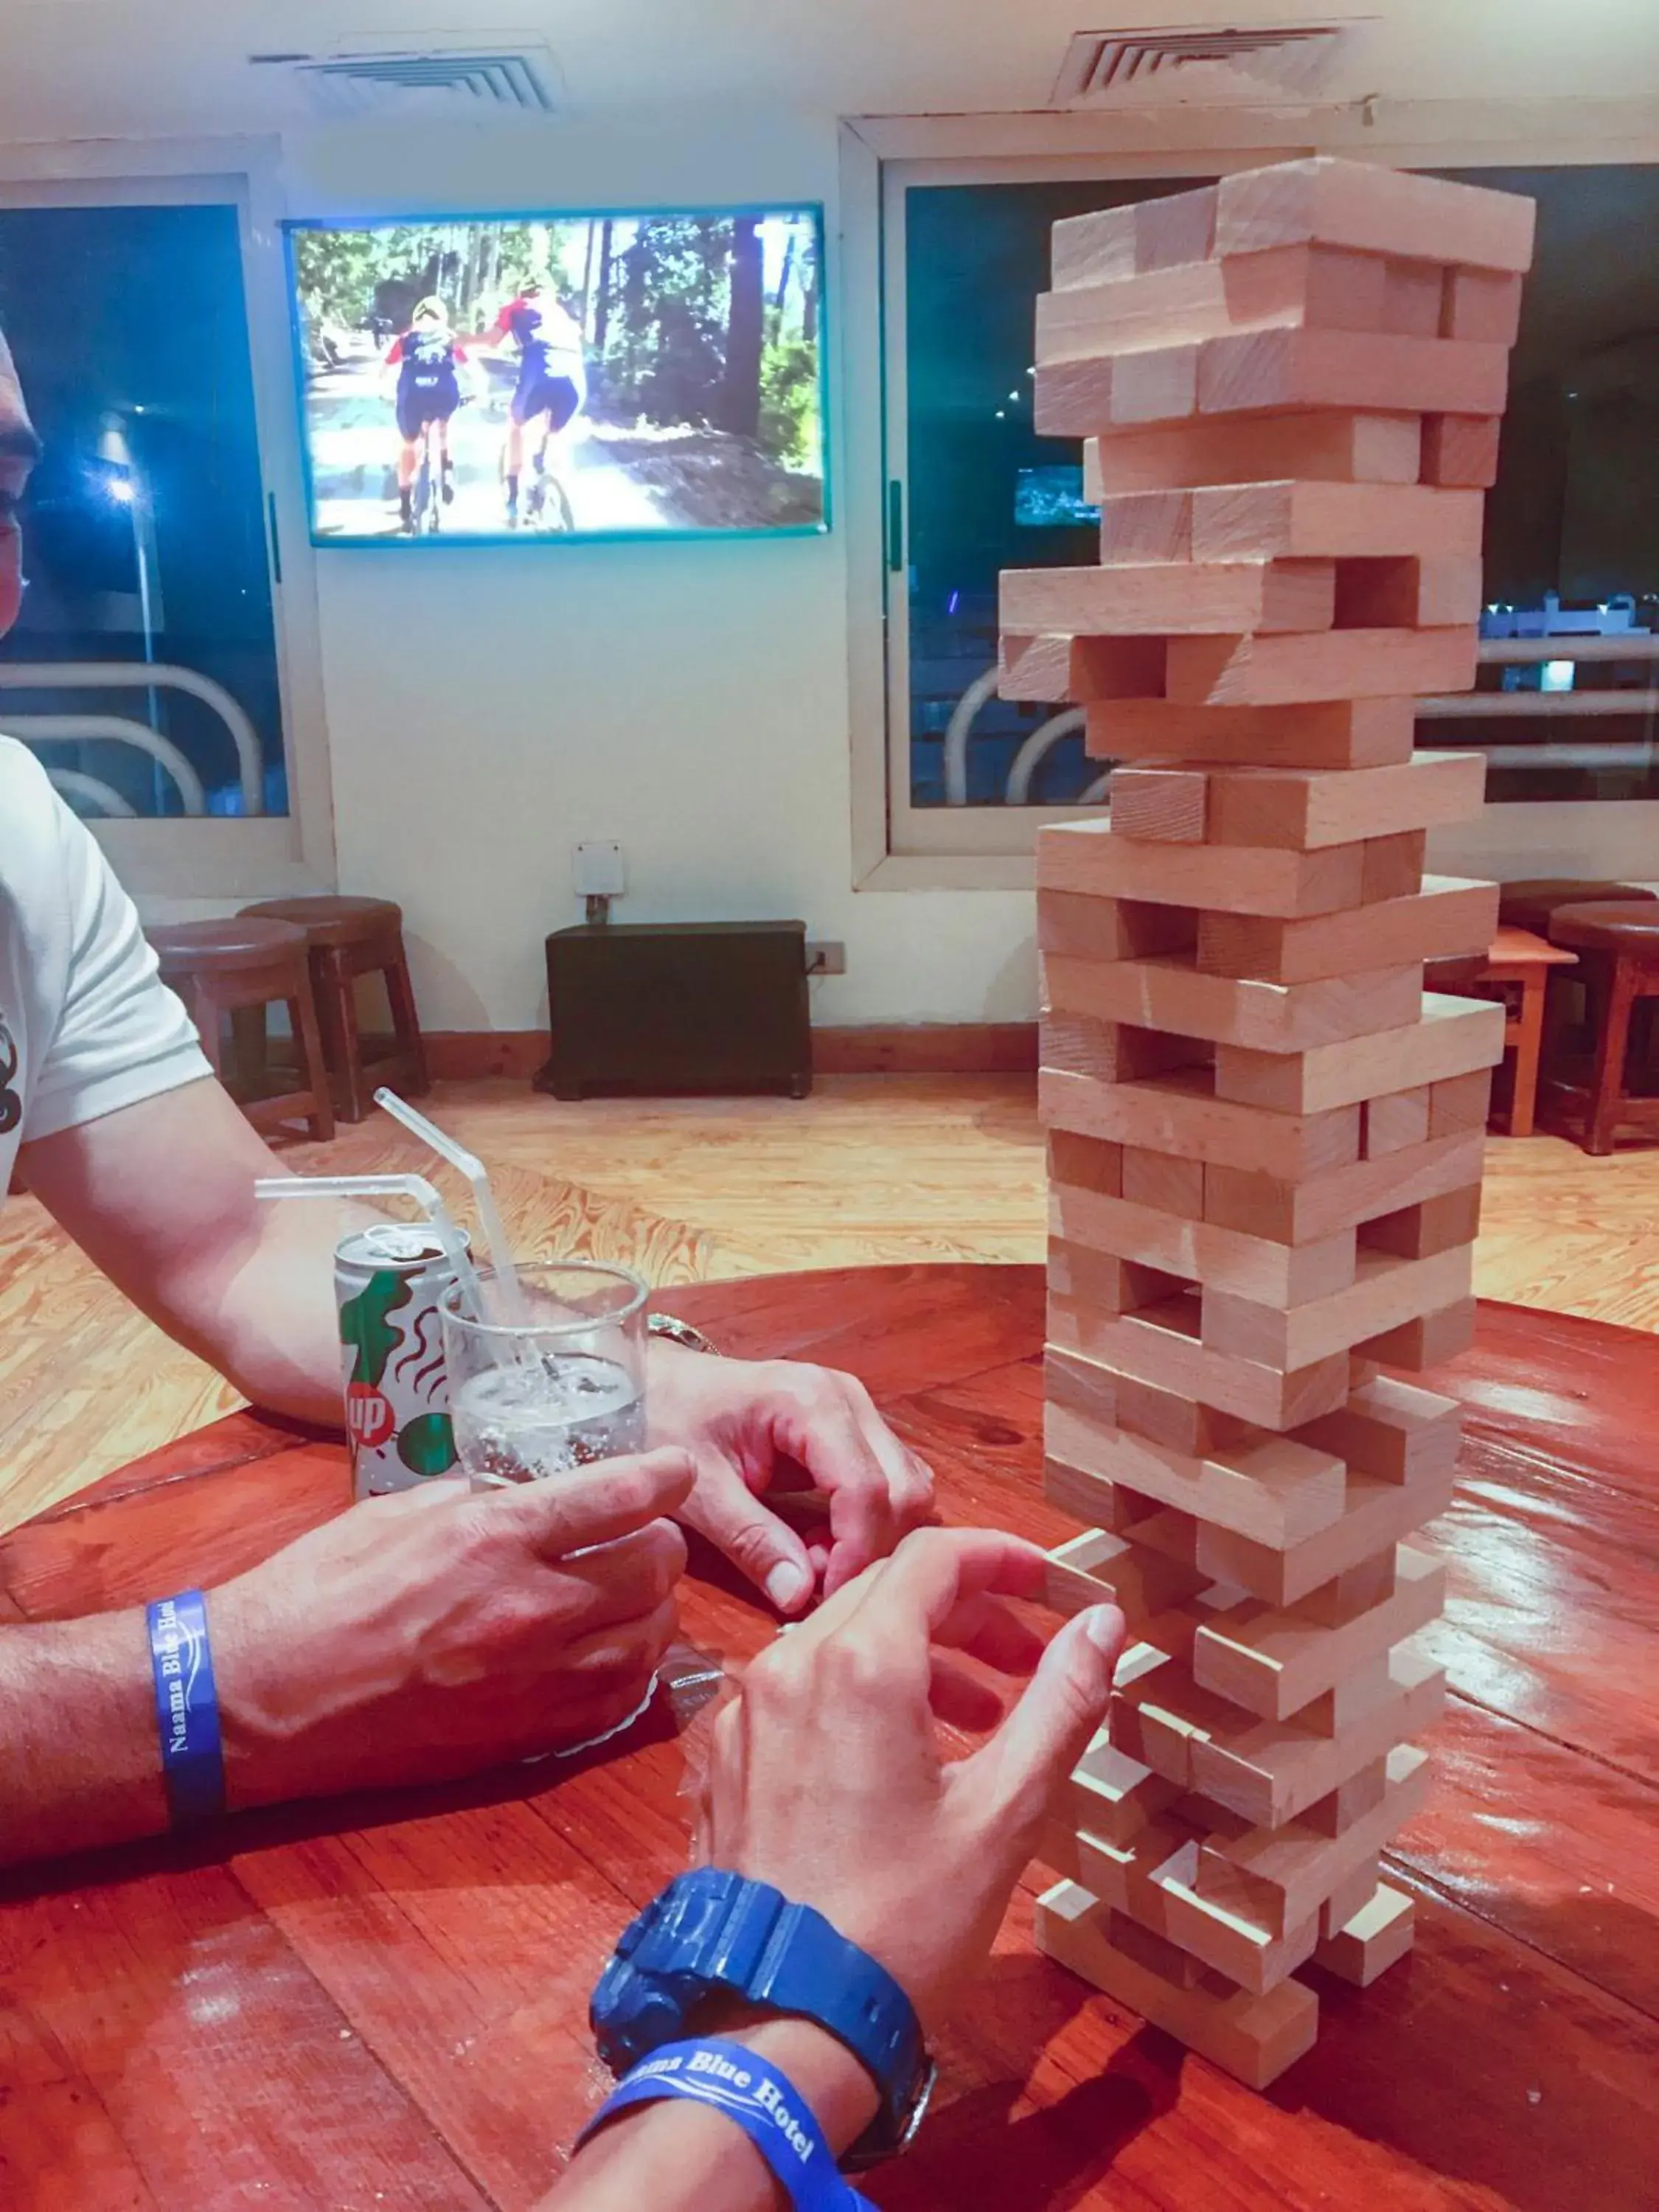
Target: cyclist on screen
(552, 385)
(427, 358)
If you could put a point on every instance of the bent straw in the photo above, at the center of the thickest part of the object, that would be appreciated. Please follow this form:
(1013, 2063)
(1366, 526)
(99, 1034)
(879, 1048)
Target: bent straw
(389, 1186)
(470, 1165)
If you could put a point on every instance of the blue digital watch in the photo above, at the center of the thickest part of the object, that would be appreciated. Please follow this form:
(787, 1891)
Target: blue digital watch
(711, 1933)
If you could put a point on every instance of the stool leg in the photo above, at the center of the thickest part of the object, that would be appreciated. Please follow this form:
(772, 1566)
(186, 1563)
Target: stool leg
(248, 1042)
(336, 1011)
(1607, 1084)
(406, 1024)
(314, 1071)
(1527, 1047)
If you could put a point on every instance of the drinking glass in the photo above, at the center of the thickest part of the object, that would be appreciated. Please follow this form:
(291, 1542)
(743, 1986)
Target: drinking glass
(557, 1390)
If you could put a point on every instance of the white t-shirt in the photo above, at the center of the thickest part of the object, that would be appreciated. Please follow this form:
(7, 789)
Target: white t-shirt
(86, 1024)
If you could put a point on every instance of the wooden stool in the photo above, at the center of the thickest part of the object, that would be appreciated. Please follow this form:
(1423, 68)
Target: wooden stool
(1529, 905)
(1518, 963)
(348, 938)
(229, 967)
(1618, 940)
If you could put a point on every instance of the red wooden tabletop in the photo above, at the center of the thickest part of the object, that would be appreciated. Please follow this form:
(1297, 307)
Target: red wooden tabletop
(382, 2001)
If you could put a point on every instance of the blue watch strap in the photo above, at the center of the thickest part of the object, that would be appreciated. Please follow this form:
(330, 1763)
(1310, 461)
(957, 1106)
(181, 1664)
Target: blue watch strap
(762, 2101)
(187, 1708)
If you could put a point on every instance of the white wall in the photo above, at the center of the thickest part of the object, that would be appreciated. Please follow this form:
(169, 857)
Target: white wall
(489, 708)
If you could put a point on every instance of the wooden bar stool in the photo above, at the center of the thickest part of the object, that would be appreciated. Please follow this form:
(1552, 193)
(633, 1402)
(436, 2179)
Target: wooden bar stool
(1515, 971)
(1529, 905)
(350, 938)
(231, 967)
(1618, 941)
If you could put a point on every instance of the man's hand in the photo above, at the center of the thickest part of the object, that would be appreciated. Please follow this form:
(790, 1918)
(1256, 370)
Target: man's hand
(826, 1777)
(438, 1632)
(739, 1418)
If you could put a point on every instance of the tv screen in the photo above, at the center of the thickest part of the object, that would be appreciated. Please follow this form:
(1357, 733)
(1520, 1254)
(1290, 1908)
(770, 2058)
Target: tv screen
(562, 376)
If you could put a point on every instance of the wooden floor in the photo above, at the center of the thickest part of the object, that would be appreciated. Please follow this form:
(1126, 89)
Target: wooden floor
(870, 1169)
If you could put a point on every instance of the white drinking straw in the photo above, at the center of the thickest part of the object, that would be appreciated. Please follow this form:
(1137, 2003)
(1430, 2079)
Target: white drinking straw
(389, 1186)
(470, 1165)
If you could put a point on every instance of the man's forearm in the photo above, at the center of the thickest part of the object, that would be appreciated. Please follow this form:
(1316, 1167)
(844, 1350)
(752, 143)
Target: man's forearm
(79, 1762)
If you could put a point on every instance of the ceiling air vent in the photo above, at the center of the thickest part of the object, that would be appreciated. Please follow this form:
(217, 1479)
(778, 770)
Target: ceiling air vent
(1207, 65)
(431, 79)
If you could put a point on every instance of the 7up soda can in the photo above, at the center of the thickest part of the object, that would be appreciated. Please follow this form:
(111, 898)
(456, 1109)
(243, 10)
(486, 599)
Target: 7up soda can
(388, 1280)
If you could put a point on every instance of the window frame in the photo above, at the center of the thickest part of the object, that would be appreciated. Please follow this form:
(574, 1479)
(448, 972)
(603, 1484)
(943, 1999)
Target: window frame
(899, 846)
(220, 857)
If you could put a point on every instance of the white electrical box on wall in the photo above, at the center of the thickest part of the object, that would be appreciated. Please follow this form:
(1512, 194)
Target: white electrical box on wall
(599, 870)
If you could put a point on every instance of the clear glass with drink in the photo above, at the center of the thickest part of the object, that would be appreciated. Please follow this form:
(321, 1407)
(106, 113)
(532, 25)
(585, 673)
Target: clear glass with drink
(557, 1389)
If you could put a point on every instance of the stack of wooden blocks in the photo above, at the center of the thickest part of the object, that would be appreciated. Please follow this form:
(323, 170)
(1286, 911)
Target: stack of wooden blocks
(1264, 1141)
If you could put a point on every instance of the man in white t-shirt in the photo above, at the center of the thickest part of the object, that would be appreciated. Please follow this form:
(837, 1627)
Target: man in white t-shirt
(414, 1638)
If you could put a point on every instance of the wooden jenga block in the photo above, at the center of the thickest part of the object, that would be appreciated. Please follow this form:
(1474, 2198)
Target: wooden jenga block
(1055, 665)
(1386, 1293)
(1429, 1339)
(1278, 1877)
(1159, 385)
(1378, 1515)
(1461, 449)
(1161, 1717)
(1172, 993)
(1229, 1942)
(1270, 1771)
(1393, 866)
(1278, 368)
(1435, 1225)
(1362, 1793)
(1254, 2038)
(1175, 227)
(1077, 1046)
(1099, 1569)
(1273, 522)
(1161, 1344)
(1392, 1432)
(1087, 1163)
(1408, 594)
(1111, 1795)
(1369, 1944)
(1127, 241)
(1398, 1119)
(1176, 597)
(1320, 1206)
(1449, 916)
(1165, 1182)
(1451, 1036)
(1284, 670)
(1241, 879)
(1180, 1113)
(1165, 804)
(1326, 201)
(1306, 809)
(1157, 1954)
(1414, 300)
(1352, 733)
(1332, 449)
(1460, 1101)
(1270, 1488)
(1073, 398)
(1274, 1272)
(1275, 1661)
(1080, 920)
(1181, 1424)
(1481, 304)
(1147, 527)
(1354, 1895)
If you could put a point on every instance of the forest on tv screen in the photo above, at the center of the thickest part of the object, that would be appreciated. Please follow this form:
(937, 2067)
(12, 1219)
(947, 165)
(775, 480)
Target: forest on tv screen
(703, 321)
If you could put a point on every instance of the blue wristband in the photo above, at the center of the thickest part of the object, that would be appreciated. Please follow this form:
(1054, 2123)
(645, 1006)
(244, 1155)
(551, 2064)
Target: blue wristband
(187, 1708)
(764, 2103)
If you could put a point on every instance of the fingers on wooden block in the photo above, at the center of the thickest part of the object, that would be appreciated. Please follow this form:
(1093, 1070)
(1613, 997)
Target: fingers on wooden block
(1451, 1036)
(1448, 916)
(1252, 2038)
(1339, 734)
(1261, 670)
(1461, 450)
(1305, 809)
(1369, 1944)
(1336, 448)
(1327, 201)
(1164, 804)
(1172, 993)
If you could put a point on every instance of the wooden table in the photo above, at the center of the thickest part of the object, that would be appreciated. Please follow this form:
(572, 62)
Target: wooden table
(382, 2001)
(1519, 959)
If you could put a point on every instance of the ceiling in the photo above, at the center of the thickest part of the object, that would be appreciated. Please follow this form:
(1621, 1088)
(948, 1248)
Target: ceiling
(74, 67)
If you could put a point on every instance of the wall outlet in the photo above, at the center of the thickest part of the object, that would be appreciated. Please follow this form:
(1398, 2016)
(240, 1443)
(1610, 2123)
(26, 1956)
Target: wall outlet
(599, 870)
(824, 957)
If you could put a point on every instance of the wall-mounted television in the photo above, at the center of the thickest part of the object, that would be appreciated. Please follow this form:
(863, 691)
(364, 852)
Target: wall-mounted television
(562, 376)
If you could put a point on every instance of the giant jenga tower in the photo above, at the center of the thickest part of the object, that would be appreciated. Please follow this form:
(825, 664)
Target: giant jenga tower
(1265, 1142)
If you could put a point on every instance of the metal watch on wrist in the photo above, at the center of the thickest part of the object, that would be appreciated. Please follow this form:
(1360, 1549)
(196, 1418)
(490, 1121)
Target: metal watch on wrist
(711, 1933)
(679, 1331)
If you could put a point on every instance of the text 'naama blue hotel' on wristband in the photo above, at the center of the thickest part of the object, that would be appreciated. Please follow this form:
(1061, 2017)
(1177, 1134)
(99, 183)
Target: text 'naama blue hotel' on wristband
(760, 2099)
(187, 1708)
